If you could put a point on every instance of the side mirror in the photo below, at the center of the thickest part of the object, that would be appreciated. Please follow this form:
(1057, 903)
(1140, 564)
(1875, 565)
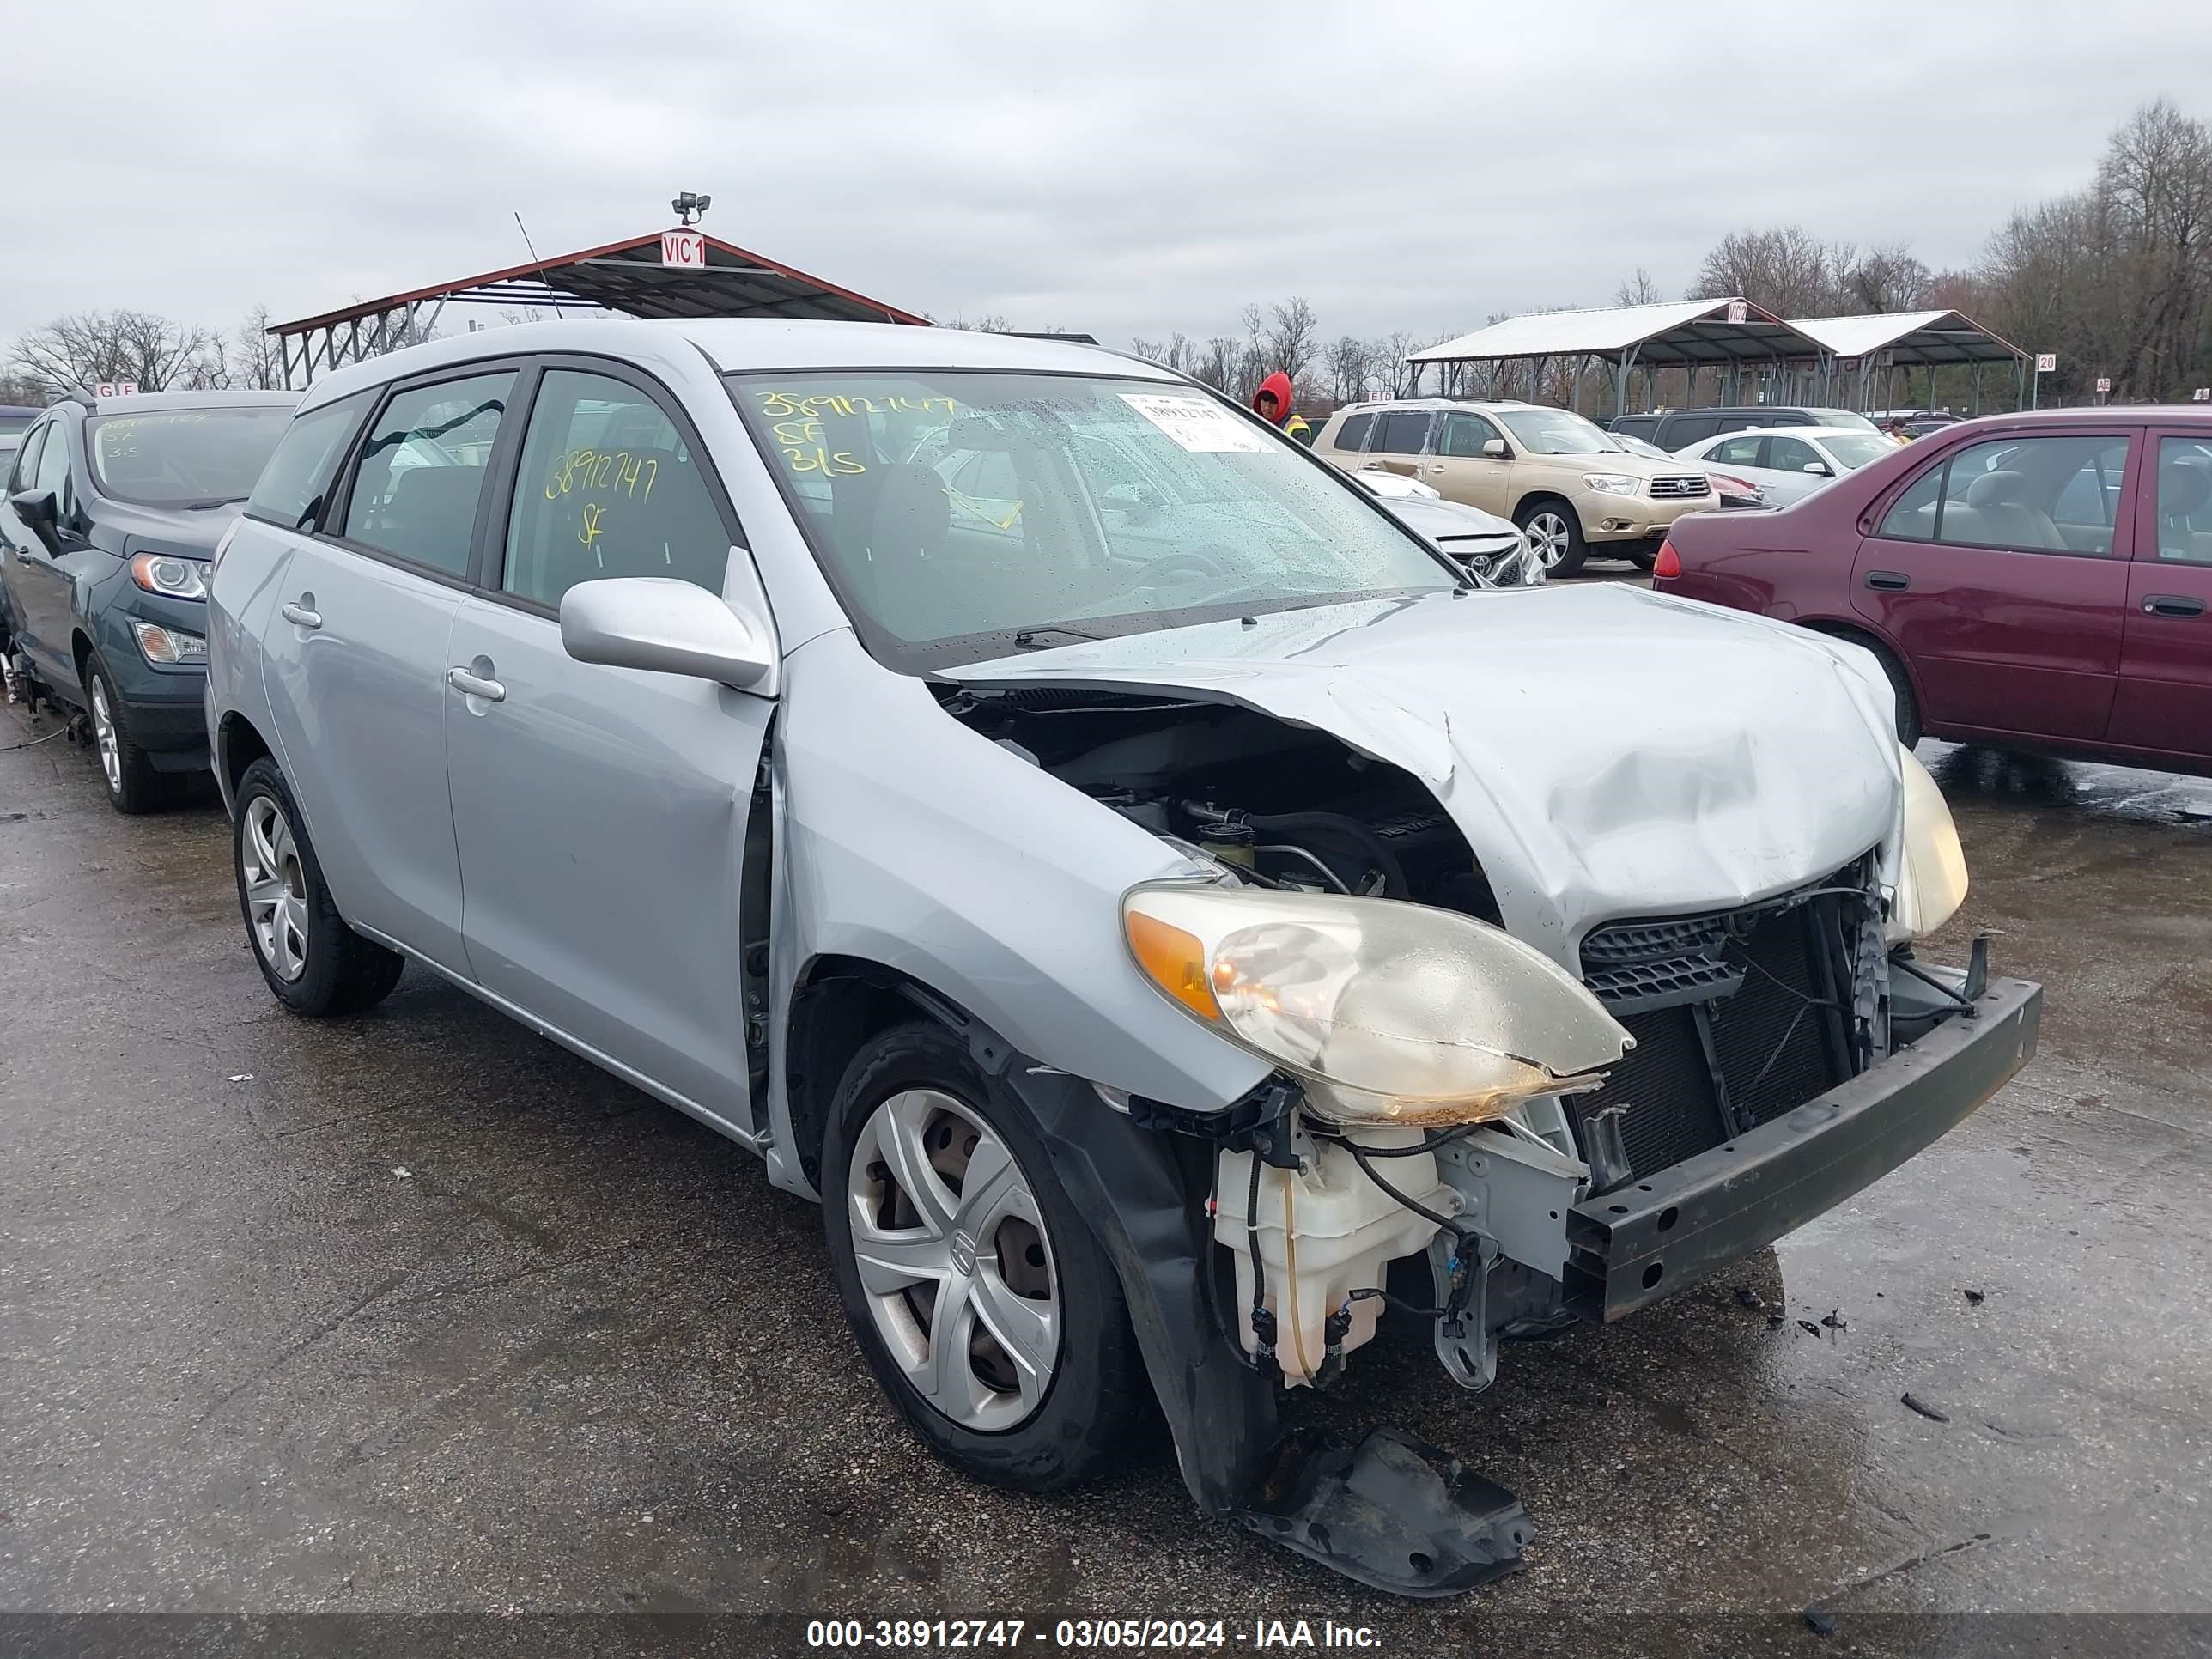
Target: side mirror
(1494, 448)
(666, 627)
(1819, 468)
(1133, 499)
(38, 509)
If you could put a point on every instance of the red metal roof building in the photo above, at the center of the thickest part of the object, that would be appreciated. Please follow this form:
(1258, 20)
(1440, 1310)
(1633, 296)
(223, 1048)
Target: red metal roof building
(709, 277)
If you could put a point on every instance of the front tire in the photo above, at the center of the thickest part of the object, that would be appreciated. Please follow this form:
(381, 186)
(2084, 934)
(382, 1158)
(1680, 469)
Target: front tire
(1554, 531)
(314, 962)
(133, 786)
(980, 1297)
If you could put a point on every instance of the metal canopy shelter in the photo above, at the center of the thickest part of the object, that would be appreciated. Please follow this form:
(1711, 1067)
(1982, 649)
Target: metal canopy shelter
(1727, 335)
(626, 277)
(1902, 340)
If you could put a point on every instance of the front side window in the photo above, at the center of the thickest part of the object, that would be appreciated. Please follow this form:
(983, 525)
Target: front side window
(27, 462)
(184, 458)
(1557, 432)
(1853, 450)
(1791, 455)
(1403, 432)
(2039, 495)
(2185, 501)
(608, 487)
(422, 469)
(1352, 434)
(1465, 436)
(292, 486)
(54, 470)
(961, 515)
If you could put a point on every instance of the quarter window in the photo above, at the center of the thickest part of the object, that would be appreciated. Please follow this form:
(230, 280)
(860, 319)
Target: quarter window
(1403, 432)
(609, 487)
(422, 472)
(2185, 501)
(1465, 436)
(298, 476)
(2055, 495)
(1352, 434)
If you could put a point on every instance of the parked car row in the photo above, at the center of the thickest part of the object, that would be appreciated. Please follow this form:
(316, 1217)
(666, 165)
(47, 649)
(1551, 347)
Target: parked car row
(1155, 899)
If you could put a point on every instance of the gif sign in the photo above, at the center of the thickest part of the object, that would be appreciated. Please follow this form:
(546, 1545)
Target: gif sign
(683, 250)
(116, 389)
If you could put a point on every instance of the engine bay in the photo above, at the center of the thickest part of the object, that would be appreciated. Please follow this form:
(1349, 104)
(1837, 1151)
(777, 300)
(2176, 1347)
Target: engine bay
(1283, 805)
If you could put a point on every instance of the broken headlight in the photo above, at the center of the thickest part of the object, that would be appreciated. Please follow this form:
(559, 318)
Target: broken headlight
(1931, 874)
(1392, 1012)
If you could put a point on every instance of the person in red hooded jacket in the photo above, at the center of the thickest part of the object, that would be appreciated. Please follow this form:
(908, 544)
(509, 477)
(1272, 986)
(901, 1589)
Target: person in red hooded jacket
(1272, 403)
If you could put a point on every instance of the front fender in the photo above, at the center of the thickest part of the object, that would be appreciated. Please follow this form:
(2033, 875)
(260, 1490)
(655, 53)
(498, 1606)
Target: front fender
(907, 840)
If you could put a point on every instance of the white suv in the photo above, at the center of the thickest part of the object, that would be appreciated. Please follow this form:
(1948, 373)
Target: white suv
(1568, 484)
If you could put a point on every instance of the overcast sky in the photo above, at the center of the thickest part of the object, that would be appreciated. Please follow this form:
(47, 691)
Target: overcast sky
(1136, 168)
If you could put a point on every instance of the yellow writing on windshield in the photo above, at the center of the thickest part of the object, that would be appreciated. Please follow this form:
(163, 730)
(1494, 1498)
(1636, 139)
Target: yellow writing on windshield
(784, 406)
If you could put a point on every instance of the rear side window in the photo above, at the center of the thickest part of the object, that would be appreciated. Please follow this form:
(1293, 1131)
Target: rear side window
(609, 487)
(423, 471)
(1681, 433)
(1352, 434)
(294, 485)
(1403, 432)
(2185, 501)
(1736, 451)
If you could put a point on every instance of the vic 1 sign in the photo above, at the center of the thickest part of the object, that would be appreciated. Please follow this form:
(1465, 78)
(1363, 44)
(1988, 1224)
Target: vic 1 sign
(116, 389)
(686, 250)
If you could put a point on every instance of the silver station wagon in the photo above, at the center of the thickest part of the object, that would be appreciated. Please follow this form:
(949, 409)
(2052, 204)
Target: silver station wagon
(1168, 912)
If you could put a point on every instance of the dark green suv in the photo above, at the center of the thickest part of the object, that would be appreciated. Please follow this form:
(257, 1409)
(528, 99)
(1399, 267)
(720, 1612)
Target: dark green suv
(114, 508)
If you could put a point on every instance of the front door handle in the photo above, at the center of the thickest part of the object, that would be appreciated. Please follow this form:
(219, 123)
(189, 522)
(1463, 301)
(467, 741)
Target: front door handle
(476, 686)
(1895, 581)
(301, 617)
(2173, 604)
(1432, 467)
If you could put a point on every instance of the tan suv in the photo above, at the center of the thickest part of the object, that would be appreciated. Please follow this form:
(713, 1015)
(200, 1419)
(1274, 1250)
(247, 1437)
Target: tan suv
(1574, 490)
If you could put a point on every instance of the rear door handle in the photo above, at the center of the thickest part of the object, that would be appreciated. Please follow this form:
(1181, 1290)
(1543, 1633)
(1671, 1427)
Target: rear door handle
(476, 686)
(1895, 581)
(2173, 604)
(299, 616)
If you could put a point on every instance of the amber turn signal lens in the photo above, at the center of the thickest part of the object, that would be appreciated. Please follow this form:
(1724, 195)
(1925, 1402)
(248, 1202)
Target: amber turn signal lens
(1175, 960)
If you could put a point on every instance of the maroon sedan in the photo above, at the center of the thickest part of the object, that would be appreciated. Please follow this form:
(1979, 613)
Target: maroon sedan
(2037, 580)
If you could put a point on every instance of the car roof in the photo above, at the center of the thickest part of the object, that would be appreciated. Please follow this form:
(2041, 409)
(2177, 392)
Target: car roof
(1815, 433)
(736, 345)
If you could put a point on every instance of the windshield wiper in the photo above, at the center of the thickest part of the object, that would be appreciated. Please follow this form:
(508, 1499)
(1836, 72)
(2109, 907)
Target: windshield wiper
(1026, 639)
(202, 506)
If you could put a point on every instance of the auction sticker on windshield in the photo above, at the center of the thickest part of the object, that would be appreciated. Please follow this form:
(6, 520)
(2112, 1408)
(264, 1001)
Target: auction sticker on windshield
(1200, 426)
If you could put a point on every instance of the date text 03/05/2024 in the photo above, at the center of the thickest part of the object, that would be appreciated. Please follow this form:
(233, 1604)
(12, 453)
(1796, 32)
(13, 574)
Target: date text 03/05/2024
(1083, 1635)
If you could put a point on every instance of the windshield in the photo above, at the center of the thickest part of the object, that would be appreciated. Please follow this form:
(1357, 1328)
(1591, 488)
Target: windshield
(1853, 450)
(15, 424)
(1842, 417)
(1556, 432)
(185, 457)
(963, 514)
(1637, 446)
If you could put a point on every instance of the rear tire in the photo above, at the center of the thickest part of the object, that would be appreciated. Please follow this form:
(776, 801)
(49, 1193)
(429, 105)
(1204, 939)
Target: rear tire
(133, 786)
(314, 963)
(914, 1108)
(1643, 558)
(1554, 531)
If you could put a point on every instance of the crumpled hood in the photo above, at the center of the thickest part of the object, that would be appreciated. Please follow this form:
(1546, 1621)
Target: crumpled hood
(1607, 751)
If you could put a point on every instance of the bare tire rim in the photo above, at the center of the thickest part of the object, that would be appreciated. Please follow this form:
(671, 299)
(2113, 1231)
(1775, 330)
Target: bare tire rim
(955, 1260)
(1547, 534)
(104, 733)
(276, 888)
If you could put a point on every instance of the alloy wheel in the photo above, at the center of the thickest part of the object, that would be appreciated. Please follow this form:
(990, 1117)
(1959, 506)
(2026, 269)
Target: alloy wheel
(276, 888)
(954, 1259)
(1547, 535)
(104, 735)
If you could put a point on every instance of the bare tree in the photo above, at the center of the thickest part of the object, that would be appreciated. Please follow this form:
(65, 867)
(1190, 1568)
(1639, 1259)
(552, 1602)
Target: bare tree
(990, 322)
(1293, 337)
(1886, 278)
(1349, 365)
(1789, 271)
(260, 361)
(1640, 289)
(95, 346)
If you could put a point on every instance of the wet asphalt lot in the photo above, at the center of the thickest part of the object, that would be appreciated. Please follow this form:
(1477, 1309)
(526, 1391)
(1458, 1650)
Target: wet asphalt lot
(417, 1313)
